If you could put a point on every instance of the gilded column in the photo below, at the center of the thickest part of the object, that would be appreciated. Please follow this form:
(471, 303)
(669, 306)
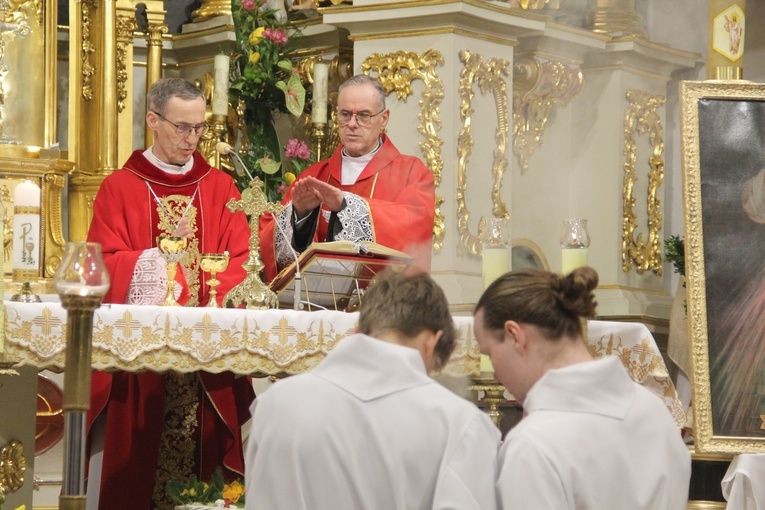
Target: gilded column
(126, 25)
(725, 57)
(153, 64)
(109, 96)
(51, 50)
(617, 18)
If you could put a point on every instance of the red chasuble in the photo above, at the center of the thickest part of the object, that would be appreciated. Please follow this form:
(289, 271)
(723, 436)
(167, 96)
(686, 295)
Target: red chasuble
(127, 218)
(399, 205)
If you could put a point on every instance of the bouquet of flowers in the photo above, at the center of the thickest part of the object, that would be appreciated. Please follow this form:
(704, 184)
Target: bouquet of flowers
(214, 493)
(265, 82)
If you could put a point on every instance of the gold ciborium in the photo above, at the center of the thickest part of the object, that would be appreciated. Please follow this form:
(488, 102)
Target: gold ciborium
(172, 249)
(213, 263)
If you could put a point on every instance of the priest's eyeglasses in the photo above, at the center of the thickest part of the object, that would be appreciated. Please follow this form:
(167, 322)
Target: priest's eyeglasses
(363, 119)
(185, 129)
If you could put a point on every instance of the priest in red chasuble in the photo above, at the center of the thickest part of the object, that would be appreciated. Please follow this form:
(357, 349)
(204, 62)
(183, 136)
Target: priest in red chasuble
(366, 191)
(147, 428)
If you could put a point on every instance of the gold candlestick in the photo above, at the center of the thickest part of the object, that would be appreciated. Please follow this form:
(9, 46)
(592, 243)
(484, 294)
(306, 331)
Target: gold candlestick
(172, 249)
(493, 395)
(214, 263)
(318, 137)
(81, 282)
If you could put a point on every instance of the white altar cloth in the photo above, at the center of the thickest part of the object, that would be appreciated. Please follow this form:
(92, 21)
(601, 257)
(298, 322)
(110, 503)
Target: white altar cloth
(271, 342)
(742, 485)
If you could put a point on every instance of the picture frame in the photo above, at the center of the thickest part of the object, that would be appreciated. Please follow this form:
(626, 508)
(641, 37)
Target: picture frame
(723, 153)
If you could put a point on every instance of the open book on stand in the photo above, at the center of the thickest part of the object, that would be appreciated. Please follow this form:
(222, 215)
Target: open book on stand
(335, 274)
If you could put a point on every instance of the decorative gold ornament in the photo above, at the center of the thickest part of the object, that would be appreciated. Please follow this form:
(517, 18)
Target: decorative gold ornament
(88, 47)
(12, 467)
(493, 396)
(396, 71)
(535, 4)
(252, 292)
(125, 27)
(54, 186)
(538, 85)
(641, 118)
(490, 77)
(211, 9)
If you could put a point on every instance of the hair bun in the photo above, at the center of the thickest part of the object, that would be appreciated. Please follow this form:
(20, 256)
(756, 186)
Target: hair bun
(574, 291)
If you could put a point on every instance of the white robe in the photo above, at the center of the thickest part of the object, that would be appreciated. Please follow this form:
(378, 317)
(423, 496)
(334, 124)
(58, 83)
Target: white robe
(369, 429)
(593, 439)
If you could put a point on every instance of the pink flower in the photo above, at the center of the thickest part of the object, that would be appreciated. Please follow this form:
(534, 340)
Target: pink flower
(297, 149)
(249, 4)
(276, 35)
(281, 189)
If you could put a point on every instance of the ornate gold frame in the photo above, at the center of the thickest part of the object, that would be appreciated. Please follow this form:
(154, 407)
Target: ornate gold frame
(640, 118)
(396, 71)
(692, 95)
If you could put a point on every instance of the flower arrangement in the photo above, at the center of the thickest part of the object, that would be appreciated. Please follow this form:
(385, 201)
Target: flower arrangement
(265, 82)
(215, 493)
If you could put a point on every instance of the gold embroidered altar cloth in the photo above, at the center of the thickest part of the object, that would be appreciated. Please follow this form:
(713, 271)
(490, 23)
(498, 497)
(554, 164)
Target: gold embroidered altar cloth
(271, 342)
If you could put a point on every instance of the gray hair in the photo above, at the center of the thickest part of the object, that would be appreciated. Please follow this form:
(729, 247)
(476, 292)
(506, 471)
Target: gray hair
(363, 79)
(162, 91)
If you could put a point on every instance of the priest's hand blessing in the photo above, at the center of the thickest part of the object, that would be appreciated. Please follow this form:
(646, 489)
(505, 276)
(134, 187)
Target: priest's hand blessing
(309, 193)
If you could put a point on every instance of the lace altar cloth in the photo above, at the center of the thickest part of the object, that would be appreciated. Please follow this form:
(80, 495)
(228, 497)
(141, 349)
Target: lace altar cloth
(262, 343)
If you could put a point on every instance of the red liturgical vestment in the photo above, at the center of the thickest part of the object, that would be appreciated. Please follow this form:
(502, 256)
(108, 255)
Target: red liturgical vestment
(392, 203)
(133, 206)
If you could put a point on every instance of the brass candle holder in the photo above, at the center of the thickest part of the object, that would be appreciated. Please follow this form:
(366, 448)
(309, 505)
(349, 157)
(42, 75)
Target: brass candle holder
(318, 138)
(214, 263)
(493, 395)
(172, 249)
(81, 282)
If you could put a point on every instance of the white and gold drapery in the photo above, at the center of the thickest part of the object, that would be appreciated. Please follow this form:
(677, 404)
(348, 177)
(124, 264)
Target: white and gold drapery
(270, 342)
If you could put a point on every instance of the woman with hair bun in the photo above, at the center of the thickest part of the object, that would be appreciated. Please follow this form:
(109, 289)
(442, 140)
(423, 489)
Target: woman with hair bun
(591, 438)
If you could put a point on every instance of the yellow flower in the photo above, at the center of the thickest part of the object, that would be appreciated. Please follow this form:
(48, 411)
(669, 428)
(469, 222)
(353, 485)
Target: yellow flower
(254, 57)
(233, 491)
(22, 507)
(256, 36)
(289, 177)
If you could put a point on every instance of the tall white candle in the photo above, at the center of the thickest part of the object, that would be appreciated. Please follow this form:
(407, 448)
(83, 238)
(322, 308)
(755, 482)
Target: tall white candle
(26, 232)
(320, 78)
(572, 258)
(220, 92)
(495, 262)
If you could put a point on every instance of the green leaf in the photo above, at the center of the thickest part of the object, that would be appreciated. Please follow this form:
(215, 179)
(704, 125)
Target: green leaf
(269, 165)
(286, 65)
(294, 95)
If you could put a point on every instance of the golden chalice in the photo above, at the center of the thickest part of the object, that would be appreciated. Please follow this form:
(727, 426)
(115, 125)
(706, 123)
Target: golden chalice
(172, 249)
(213, 263)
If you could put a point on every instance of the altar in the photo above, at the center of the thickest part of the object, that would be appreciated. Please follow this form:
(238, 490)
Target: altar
(271, 342)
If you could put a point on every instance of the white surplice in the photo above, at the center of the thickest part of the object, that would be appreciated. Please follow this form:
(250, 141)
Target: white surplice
(593, 439)
(369, 429)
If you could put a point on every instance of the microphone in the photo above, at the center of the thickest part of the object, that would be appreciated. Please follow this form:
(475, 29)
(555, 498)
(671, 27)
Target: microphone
(225, 149)
(297, 303)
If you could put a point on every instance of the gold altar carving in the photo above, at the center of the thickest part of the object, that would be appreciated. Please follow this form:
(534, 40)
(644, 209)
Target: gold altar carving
(640, 118)
(539, 84)
(13, 464)
(396, 71)
(87, 16)
(489, 76)
(210, 9)
(535, 4)
(126, 25)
